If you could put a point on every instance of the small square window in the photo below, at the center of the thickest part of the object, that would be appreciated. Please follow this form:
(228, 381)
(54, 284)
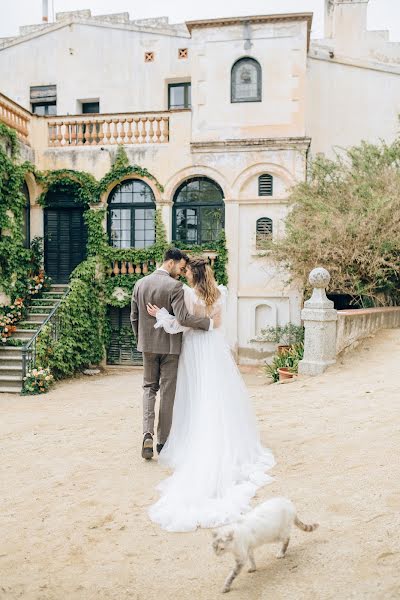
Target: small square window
(183, 53)
(179, 95)
(149, 57)
(90, 108)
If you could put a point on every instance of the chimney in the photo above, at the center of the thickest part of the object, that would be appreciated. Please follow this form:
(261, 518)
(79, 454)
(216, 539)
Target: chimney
(45, 11)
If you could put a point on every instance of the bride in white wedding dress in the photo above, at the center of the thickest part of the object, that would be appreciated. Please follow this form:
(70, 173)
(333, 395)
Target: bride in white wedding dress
(213, 447)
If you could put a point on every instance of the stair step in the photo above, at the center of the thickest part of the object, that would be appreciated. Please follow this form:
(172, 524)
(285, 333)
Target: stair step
(24, 334)
(11, 361)
(10, 352)
(44, 301)
(36, 317)
(11, 371)
(59, 287)
(51, 295)
(4, 389)
(32, 323)
(41, 310)
(11, 381)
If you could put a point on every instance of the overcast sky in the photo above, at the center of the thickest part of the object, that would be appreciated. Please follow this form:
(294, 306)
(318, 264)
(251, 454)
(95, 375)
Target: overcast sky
(382, 14)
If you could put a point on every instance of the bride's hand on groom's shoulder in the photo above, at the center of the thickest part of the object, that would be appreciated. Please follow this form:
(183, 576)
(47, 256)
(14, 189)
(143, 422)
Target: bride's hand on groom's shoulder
(152, 309)
(217, 321)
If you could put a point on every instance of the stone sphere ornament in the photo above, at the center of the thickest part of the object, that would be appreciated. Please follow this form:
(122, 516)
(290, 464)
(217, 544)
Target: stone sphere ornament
(319, 278)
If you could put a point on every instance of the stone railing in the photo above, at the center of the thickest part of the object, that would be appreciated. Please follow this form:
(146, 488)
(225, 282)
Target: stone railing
(99, 130)
(15, 117)
(125, 267)
(354, 325)
(327, 332)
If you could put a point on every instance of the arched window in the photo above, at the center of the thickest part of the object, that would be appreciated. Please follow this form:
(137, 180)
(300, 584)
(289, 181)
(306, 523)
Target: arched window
(265, 185)
(131, 213)
(263, 231)
(27, 217)
(198, 214)
(246, 81)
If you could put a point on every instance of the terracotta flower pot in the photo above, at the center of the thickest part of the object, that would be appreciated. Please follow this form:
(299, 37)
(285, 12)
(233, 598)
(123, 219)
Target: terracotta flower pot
(282, 348)
(285, 374)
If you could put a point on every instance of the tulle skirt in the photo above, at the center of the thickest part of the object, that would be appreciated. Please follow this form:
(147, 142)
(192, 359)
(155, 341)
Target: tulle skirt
(213, 448)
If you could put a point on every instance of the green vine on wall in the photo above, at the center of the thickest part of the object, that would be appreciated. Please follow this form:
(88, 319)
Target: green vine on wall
(84, 187)
(17, 263)
(82, 331)
(221, 260)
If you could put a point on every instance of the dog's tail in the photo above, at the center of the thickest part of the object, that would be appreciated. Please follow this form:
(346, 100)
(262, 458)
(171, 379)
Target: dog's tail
(304, 526)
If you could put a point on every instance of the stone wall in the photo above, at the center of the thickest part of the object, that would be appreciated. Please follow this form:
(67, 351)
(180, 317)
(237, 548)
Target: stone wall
(354, 325)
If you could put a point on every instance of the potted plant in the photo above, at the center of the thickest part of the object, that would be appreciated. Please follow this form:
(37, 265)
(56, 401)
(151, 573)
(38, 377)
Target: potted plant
(285, 364)
(285, 336)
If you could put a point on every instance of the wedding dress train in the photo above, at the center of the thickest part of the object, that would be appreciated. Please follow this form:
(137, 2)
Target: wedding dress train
(213, 447)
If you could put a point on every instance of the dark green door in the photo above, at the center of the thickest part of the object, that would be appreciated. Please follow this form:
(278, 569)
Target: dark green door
(65, 238)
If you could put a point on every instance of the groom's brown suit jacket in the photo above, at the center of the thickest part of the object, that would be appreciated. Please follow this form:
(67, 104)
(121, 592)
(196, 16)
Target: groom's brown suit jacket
(164, 291)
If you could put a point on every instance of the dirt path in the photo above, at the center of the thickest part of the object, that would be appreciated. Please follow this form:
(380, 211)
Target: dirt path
(75, 491)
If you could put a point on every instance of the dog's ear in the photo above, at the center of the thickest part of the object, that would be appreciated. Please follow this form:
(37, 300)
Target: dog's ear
(214, 534)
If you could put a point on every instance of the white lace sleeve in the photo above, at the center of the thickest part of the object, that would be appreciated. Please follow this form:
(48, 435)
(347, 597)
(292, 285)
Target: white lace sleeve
(168, 322)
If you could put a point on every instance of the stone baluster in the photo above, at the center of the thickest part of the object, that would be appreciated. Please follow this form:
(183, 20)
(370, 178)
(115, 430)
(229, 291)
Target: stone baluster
(166, 128)
(93, 130)
(116, 268)
(138, 269)
(115, 131)
(124, 270)
(88, 133)
(108, 131)
(129, 133)
(60, 136)
(151, 121)
(73, 132)
(101, 131)
(80, 133)
(143, 120)
(319, 319)
(145, 268)
(131, 269)
(136, 131)
(52, 133)
(157, 130)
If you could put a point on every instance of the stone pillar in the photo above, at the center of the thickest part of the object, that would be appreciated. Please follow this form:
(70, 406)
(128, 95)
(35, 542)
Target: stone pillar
(319, 318)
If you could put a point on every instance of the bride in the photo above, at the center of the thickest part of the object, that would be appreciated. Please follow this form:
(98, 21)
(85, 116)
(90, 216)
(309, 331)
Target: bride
(213, 447)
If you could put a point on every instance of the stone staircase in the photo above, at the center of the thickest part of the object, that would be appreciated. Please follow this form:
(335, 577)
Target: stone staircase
(11, 356)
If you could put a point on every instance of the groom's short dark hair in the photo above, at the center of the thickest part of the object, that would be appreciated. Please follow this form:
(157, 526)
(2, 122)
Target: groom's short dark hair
(175, 254)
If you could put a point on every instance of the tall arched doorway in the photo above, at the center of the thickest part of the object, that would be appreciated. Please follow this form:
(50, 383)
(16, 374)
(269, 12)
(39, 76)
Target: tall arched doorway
(65, 236)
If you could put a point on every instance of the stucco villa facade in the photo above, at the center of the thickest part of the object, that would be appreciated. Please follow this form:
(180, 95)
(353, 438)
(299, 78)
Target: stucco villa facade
(224, 113)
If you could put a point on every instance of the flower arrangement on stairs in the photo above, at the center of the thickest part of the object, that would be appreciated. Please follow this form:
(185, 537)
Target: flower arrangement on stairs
(37, 381)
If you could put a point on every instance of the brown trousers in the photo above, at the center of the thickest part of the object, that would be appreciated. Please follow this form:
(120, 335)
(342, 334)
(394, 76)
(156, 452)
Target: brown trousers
(160, 373)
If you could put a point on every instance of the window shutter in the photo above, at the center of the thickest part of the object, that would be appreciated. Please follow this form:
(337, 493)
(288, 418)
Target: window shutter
(265, 185)
(43, 93)
(263, 230)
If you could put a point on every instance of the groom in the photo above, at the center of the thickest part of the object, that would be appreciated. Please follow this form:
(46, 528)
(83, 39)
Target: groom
(160, 349)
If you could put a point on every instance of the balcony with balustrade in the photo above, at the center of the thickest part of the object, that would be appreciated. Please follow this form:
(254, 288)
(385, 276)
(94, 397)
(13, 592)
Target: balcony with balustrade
(96, 130)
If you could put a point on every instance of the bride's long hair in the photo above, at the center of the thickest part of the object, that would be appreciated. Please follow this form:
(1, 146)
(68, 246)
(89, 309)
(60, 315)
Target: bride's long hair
(204, 281)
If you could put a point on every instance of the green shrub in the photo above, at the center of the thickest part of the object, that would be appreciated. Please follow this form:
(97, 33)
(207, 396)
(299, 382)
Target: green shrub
(346, 218)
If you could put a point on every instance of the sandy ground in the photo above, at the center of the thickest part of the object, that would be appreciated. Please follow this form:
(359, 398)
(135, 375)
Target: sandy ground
(75, 491)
